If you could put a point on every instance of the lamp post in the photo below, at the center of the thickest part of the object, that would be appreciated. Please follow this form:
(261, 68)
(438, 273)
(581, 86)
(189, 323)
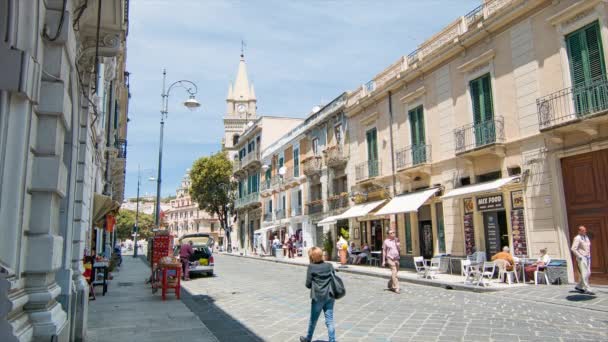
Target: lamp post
(136, 227)
(191, 104)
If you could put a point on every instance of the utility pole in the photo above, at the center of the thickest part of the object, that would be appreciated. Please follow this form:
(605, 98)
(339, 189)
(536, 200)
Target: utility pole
(136, 227)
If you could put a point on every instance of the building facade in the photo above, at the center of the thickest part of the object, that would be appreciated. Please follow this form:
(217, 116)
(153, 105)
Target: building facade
(184, 216)
(63, 124)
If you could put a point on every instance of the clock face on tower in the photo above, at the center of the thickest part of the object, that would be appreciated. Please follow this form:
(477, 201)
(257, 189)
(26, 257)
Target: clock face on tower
(241, 108)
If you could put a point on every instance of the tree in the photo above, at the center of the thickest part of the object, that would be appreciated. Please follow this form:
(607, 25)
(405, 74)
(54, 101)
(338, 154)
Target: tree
(212, 188)
(126, 220)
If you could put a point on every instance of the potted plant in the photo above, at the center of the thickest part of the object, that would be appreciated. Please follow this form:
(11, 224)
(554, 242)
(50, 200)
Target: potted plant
(328, 246)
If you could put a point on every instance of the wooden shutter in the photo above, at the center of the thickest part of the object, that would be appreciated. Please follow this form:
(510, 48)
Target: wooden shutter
(577, 53)
(594, 52)
(487, 104)
(372, 144)
(476, 100)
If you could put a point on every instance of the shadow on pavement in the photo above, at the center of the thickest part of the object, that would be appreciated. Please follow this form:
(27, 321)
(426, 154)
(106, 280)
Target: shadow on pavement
(579, 297)
(221, 324)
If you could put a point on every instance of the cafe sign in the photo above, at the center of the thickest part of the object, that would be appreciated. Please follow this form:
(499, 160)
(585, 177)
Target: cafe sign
(493, 202)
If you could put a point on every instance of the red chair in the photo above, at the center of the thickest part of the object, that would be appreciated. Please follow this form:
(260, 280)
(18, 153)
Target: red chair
(175, 272)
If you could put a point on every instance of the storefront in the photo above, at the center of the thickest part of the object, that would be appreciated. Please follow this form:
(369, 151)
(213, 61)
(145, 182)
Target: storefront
(493, 216)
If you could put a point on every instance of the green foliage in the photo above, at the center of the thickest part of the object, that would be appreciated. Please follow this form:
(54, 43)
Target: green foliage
(345, 234)
(328, 244)
(126, 220)
(211, 185)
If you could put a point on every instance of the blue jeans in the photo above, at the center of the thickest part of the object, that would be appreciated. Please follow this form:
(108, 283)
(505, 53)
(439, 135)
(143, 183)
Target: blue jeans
(315, 310)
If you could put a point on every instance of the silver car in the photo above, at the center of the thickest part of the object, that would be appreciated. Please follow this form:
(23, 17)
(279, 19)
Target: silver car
(202, 261)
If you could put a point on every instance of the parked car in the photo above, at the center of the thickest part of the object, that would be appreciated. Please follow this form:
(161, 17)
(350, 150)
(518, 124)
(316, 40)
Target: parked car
(202, 261)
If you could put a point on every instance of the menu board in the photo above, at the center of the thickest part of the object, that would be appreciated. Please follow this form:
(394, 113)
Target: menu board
(492, 233)
(162, 247)
(518, 227)
(469, 234)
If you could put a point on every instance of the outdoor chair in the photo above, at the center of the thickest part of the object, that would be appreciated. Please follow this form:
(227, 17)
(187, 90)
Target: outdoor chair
(420, 266)
(477, 257)
(467, 271)
(433, 268)
(503, 273)
(542, 273)
(487, 271)
(372, 260)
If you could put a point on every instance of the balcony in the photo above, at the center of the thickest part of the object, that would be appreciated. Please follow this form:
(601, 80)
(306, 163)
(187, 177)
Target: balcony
(247, 200)
(412, 156)
(251, 159)
(475, 137)
(236, 166)
(312, 165)
(315, 207)
(367, 169)
(121, 147)
(338, 201)
(296, 211)
(267, 217)
(290, 178)
(279, 214)
(336, 155)
(573, 105)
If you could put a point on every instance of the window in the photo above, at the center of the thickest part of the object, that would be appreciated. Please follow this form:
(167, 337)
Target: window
(235, 139)
(483, 110)
(408, 234)
(242, 153)
(296, 162)
(372, 152)
(338, 133)
(315, 146)
(440, 227)
(416, 117)
(268, 176)
(586, 58)
(251, 146)
(281, 162)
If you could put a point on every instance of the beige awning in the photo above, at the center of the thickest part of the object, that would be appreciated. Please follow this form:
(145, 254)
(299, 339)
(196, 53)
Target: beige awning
(492, 186)
(329, 220)
(102, 205)
(407, 203)
(359, 210)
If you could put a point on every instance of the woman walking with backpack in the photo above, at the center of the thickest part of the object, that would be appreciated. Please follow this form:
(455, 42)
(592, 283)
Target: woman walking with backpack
(325, 287)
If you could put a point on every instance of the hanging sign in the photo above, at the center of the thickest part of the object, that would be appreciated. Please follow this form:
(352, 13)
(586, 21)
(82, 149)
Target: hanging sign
(492, 202)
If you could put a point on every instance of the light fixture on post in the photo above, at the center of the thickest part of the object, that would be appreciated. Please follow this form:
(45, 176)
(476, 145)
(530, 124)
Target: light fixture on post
(192, 104)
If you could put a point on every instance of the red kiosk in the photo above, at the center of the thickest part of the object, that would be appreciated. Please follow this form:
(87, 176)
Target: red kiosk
(166, 271)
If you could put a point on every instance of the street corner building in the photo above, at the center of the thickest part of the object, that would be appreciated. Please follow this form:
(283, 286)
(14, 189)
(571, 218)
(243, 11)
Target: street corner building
(64, 95)
(492, 133)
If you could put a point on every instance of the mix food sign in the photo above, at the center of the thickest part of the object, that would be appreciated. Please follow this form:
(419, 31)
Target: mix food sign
(493, 202)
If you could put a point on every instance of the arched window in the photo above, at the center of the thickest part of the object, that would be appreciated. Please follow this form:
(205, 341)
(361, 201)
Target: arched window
(235, 139)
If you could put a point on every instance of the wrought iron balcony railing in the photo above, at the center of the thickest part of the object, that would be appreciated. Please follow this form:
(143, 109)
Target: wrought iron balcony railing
(296, 211)
(312, 165)
(475, 136)
(572, 104)
(279, 214)
(247, 199)
(413, 155)
(315, 207)
(338, 201)
(267, 217)
(367, 169)
(121, 146)
(336, 155)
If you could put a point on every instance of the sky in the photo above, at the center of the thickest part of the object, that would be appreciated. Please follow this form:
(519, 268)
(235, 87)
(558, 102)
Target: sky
(298, 53)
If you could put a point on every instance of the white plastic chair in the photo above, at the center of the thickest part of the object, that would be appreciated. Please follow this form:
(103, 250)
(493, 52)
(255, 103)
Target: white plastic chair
(542, 273)
(420, 266)
(433, 268)
(503, 272)
(466, 271)
(487, 271)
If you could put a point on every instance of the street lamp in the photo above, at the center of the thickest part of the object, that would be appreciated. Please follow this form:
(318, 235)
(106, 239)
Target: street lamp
(136, 227)
(192, 104)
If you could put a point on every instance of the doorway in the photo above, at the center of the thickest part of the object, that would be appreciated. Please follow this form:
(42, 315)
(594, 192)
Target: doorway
(377, 237)
(426, 238)
(496, 231)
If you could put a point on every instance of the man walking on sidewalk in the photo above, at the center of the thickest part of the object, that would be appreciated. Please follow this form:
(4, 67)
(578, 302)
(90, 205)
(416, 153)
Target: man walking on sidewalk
(185, 251)
(581, 247)
(390, 256)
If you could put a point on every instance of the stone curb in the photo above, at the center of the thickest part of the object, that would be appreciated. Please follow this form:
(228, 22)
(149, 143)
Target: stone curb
(417, 281)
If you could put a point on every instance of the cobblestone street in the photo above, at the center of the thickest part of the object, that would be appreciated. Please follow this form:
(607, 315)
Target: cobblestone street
(252, 300)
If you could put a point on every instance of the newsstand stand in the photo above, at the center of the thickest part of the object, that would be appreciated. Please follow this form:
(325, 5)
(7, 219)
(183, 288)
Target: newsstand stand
(162, 246)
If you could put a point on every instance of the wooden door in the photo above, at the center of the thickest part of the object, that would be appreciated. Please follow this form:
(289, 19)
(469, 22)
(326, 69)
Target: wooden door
(586, 190)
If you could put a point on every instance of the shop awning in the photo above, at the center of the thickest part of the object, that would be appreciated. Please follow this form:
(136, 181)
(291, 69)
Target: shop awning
(359, 210)
(474, 189)
(329, 220)
(102, 205)
(407, 203)
(265, 229)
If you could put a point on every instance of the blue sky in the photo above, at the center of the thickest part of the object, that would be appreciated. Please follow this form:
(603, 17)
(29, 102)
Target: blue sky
(298, 53)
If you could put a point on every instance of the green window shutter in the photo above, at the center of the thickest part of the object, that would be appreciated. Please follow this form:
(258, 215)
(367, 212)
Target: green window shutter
(594, 47)
(488, 106)
(408, 234)
(372, 144)
(413, 131)
(476, 100)
(576, 51)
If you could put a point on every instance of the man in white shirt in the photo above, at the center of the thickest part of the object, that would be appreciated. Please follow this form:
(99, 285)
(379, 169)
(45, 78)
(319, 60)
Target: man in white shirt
(581, 247)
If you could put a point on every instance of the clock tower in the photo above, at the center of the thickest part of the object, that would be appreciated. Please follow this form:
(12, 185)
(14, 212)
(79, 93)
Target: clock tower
(241, 106)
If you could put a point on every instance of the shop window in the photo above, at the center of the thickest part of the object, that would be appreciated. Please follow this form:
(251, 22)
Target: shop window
(512, 171)
(490, 176)
(408, 234)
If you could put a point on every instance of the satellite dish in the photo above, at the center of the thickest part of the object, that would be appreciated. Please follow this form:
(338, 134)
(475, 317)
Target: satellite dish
(265, 167)
(282, 170)
(316, 109)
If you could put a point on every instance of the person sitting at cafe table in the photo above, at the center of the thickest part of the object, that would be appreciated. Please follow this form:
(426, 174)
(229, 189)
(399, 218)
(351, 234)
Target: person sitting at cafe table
(540, 264)
(505, 255)
(364, 253)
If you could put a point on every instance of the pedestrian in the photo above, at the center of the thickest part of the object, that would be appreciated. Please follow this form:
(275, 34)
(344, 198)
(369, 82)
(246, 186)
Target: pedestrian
(276, 244)
(581, 247)
(391, 255)
(318, 280)
(285, 246)
(290, 247)
(185, 251)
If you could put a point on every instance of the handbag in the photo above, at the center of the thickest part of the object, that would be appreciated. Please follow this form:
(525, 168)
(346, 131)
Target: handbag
(337, 286)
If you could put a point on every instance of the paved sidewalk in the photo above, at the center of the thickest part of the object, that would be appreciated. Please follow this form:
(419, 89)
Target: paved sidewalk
(130, 312)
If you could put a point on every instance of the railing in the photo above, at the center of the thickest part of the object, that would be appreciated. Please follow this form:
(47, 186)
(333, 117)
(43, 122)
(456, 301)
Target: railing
(312, 165)
(389, 73)
(296, 211)
(367, 169)
(474, 16)
(279, 214)
(412, 57)
(474, 136)
(336, 155)
(121, 146)
(370, 86)
(267, 217)
(247, 199)
(315, 207)
(236, 165)
(250, 157)
(446, 36)
(413, 155)
(338, 201)
(572, 104)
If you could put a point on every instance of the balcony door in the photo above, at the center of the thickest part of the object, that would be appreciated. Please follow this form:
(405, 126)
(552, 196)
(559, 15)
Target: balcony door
(372, 152)
(483, 110)
(416, 117)
(587, 70)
